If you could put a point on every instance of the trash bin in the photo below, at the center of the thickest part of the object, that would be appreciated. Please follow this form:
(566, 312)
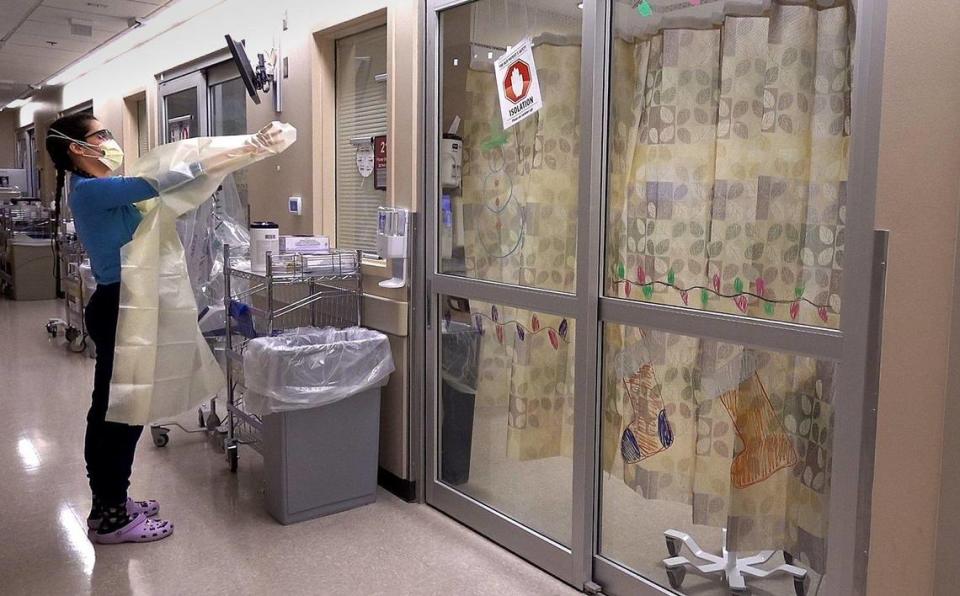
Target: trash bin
(318, 392)
(459, 361)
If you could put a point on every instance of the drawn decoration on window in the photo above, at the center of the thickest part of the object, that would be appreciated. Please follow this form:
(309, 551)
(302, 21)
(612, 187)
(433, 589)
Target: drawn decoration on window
(502, 235)
(556, 335)
(649, 432)
(766, 446)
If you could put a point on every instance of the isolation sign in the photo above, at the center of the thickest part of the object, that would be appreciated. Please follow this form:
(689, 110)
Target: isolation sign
(517, 84)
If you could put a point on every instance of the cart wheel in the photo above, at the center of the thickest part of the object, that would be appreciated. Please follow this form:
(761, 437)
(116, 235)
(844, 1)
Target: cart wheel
(78, 346)
(673, 546)
(800, 585)
(160, 436)
(676, 576)
(200, 421)
(52, 329)
(71, 334)
(787, 558)
(233, 458)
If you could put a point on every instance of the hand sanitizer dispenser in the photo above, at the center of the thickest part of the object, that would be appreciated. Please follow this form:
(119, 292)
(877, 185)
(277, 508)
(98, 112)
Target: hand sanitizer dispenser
(392, 226)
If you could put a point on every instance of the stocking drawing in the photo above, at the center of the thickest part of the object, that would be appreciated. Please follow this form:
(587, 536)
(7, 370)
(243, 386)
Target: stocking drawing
(766, 446)
(649, 432)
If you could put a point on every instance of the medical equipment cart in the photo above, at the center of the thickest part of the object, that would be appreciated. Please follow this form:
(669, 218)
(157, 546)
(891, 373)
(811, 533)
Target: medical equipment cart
(77, 292)
(295, 290)
(26, 252)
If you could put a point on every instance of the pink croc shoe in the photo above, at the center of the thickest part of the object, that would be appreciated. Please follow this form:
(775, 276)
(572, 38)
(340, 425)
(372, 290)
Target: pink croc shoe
(149, 508)
(140, 529)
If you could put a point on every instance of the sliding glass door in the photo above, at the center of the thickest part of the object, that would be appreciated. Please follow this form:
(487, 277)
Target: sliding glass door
(650, 278)
(504, 336)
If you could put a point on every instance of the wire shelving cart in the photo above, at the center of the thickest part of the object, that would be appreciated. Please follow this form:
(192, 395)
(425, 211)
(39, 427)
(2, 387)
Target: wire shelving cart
(295, 290)
(76, 295)
(28, 219)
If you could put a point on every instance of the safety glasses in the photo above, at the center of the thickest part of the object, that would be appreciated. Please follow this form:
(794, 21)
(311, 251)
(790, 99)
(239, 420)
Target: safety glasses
(102, 135)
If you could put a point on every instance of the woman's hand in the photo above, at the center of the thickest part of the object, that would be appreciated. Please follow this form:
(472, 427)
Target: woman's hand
(269, 139)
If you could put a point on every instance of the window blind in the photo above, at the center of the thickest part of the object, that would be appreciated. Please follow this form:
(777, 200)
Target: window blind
(143, 144)
(361, 112)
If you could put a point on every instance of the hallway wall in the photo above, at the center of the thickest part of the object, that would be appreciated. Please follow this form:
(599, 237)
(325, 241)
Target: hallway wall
(918, 192)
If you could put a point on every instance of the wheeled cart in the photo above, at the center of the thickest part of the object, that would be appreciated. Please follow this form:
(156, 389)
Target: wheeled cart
(78, 286)
(294, 290)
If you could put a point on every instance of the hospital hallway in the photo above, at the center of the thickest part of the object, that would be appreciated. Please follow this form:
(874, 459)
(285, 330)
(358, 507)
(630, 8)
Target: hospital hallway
(225, 542)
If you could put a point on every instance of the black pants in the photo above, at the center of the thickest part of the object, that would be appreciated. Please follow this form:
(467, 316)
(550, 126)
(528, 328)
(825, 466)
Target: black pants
(109, 446)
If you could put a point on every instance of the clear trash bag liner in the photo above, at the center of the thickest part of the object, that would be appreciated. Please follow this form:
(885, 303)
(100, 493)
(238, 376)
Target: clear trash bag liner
(310, 367)
(162, 363)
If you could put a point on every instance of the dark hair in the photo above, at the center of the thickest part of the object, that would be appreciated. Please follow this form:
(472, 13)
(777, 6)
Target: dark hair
(74, 126)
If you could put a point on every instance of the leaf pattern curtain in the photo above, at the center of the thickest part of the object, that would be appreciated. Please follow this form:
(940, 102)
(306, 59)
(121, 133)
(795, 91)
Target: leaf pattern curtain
(520, 189)
(727, 193)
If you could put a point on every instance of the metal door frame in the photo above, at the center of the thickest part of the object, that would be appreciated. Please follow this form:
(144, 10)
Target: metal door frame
(194, 80)
(854, 345)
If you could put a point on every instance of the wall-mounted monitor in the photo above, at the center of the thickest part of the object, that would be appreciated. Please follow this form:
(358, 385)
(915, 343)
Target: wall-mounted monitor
(243, 65)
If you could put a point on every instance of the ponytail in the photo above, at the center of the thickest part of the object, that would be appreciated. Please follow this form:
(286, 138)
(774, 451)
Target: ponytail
(66, 128)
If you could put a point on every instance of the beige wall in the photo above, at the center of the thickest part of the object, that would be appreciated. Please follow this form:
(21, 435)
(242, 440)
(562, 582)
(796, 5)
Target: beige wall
(8, 139)
(918, 183)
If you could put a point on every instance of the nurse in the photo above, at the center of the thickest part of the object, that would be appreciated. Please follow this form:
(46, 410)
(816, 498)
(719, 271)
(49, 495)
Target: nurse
(105, 219)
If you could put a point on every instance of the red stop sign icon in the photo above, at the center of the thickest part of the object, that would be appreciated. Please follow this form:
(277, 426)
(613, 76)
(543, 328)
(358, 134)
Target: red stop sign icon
(516, 81)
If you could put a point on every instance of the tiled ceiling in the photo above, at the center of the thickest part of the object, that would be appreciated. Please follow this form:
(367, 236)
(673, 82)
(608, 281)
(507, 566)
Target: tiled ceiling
(38, 38)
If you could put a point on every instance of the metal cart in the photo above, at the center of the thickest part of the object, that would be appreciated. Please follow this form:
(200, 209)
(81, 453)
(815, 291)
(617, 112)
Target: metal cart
(76, 296)
(24, 218)
(296, 290)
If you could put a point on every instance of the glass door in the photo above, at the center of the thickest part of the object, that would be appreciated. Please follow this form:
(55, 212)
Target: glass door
(505, 331)
(652, 300)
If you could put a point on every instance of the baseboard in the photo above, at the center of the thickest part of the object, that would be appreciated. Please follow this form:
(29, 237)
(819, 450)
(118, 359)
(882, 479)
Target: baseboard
(404, 489)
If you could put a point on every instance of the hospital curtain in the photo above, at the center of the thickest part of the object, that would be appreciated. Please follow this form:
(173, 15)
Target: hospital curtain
(727, 193)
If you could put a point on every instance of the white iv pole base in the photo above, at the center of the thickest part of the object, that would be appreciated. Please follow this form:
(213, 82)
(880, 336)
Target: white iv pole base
(728, 565)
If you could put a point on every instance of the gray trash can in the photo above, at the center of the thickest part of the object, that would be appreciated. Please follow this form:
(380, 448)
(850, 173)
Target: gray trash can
(459, 363)
(318, 392)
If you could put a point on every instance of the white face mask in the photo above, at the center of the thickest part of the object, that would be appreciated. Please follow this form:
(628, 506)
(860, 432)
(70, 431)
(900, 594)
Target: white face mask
(110, 153)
